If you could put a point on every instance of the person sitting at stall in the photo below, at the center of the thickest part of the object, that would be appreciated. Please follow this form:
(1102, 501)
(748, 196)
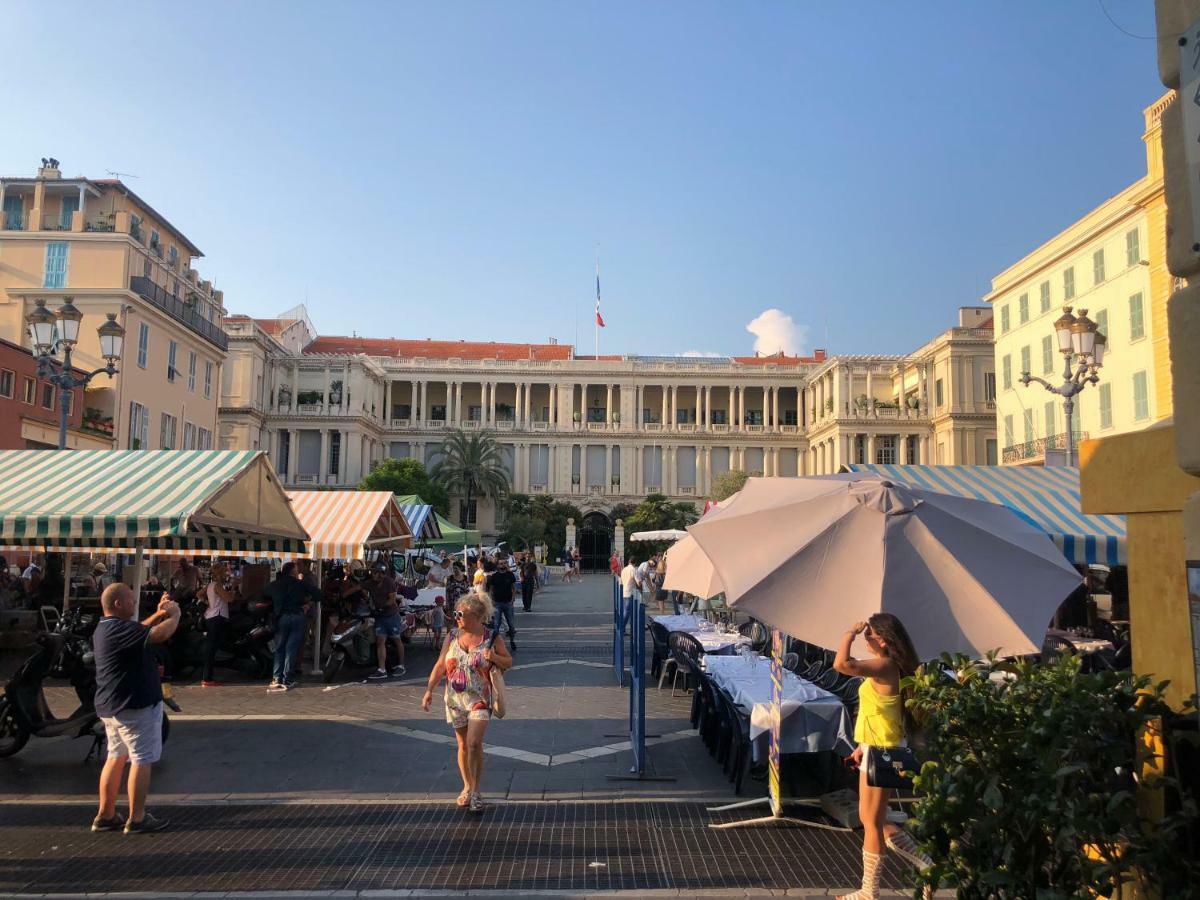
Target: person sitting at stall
(439, 572)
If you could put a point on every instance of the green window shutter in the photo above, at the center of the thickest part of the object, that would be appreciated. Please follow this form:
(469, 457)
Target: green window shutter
(1137, 323)
(1048, 353)
(1106, 405)
(1141, 397)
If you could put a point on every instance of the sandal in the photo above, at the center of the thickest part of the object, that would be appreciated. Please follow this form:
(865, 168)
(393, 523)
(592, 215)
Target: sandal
(465, 797)
(476, 804)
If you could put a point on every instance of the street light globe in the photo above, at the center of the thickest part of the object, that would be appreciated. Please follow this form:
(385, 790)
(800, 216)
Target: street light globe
(112, 339)
(41, 328)
(68, 322)
(1062, 327)
(1083, 334)
(1098, 350)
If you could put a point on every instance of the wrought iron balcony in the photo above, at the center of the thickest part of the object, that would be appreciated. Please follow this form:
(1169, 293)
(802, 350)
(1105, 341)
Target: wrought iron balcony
(1036, 449)
(179, 310)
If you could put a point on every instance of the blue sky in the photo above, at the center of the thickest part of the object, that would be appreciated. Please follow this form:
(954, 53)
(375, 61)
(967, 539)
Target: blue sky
(449, 169)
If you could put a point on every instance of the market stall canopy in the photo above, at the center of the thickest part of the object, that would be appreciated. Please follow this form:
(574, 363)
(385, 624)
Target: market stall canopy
(665, 534)
(346, 524)
(811, 556)
(196, 501)
(421, 518)
(1047, 497)
(454, 537)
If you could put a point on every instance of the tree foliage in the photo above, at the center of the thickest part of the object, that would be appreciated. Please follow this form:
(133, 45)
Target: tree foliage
(1029, 786)
(656, 513)
(523, 532)
(471, 466)
(406, 476)
(728, 483)
(550, 513)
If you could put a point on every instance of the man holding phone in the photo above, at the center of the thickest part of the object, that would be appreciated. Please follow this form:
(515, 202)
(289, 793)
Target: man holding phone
(129, 703)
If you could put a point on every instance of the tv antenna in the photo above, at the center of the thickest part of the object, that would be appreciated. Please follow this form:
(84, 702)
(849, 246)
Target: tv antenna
(120, 174)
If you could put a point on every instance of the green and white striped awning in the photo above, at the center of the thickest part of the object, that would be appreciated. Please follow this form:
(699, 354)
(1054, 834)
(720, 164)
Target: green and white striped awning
(198, 501)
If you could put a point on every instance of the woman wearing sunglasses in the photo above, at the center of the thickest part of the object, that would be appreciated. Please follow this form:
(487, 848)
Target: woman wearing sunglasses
(468, 653)
(880, 723)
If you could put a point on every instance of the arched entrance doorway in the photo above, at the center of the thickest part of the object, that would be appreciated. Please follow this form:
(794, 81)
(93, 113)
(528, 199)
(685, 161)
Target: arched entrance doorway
(595, 542)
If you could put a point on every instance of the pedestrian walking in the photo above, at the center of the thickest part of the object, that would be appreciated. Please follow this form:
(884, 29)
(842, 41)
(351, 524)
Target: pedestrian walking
(576, 562)
(470, 650)
(629, 578)
(129, 703)
(217, 598)
(529, 581)
(880, 723)
(614, 564)
(292, 598)
(500, 587)
(389, 623)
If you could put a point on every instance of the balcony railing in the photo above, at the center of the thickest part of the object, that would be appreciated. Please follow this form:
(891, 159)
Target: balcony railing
(721, 428)
(540, 426)
(1036, 449)
(537, 489)
(435, 423)
(686, 426)
(14, 221)
(471, 425)
(652, 426)
(307, 479)
(505, 424)
(597, 426)
(400, 423)
(178, 310)
(308, 408)
(687, 491)
(789, 429)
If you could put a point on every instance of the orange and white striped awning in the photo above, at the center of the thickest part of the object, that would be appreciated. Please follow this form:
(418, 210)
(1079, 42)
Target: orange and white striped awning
(346, 524)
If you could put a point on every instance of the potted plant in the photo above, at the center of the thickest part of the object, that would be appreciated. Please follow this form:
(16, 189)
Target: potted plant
(335, 393)
(616, 481)
(829, 405)
(862, 401)
(576, 417)
(914, 402)
(574, 479)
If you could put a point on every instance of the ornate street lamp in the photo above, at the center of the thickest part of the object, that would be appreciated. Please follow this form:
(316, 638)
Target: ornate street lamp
(51, 332)
(1082, 347)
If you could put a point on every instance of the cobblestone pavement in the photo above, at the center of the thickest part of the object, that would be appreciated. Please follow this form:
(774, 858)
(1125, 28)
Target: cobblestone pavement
(347, 788)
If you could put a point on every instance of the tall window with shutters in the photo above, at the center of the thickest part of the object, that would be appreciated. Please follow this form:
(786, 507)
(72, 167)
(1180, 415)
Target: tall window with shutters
(1023, 308)
(1026, 359)
(191, 371)
(1133, 249)
(1006, 373)
(1008, 431)
(1069, 283)
(1027, 417)
(1044, 296)
(143, 344)
(1047, 354)
(172, 353)
(1101, 319)
(1141, 397)
(55, 275)
(1051, 414)
(1137, 321)
(1098, 266)
(208, 370)
(139, 426)
(1005, 323)
(167, 432)
(1105, 394)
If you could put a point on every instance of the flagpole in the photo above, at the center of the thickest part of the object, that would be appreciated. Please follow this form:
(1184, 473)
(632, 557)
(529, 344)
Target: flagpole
(597, 317)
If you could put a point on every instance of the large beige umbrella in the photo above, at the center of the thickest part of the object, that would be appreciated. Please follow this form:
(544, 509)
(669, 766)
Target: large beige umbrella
(690, 571)
(812, 556)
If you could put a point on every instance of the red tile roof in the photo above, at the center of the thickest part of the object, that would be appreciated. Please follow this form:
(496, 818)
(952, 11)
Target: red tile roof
(430, 349)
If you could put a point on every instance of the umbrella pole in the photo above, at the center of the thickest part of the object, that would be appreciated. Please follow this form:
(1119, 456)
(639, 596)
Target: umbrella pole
(138, 574)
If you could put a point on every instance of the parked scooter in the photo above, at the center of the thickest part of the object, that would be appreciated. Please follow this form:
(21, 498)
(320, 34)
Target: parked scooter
(352, 643)
(246, 647)
(24, 712)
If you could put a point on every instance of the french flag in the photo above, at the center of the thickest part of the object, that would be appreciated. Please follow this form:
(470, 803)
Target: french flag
(599, 318)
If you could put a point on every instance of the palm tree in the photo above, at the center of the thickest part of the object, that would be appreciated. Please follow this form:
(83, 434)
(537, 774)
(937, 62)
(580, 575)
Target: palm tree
(471, 465)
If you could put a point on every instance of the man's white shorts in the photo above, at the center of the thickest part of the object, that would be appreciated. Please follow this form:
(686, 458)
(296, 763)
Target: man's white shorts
(136, 733)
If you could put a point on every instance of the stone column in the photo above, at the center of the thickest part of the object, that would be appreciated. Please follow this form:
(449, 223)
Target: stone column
(708, 469)
(924, 457)
(665, 390)
(583, 468)
(494, 385)
(639, 479)
(775, 423)
(870, 448)
(608, 410)
(707, 418)
(870, 395)
(323, 465)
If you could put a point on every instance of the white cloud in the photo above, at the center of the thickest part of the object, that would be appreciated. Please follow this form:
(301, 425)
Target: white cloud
(704, 353)
(775, 330)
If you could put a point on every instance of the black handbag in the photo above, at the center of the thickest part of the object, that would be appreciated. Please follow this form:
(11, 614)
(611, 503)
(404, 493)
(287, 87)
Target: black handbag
(891, 767)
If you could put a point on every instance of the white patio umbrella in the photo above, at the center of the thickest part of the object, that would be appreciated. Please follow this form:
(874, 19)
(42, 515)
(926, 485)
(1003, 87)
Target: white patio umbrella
(690, 571)
(812, 556)
(665, 534)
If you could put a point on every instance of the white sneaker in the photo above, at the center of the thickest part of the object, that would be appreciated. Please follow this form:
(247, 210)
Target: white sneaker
(399, 670)
(378, 674)
(276, 686)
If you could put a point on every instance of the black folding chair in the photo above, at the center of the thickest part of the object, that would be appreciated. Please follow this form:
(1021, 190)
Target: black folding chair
(757, 633)
(662, 652)
(686, 652)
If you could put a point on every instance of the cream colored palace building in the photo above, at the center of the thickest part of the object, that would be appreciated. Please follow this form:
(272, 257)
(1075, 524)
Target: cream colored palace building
(1111, 263)
(597, 431)
(101, 244)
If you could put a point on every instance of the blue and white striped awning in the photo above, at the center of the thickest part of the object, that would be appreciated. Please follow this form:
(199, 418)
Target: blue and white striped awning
(421, 521)
(1045, 497)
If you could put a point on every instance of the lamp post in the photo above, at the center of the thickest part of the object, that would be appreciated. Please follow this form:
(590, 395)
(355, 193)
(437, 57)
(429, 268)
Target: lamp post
(46, 343)
(1082, 347)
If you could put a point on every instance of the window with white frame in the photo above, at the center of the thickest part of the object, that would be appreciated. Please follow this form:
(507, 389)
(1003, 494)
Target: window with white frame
(172, 353)
(139, 426)
(885, 450)
(48, 396)
(189, 436)
(167, 432)
(143, 344)
(28, 391)
(1027, 417)
(8, 380)
(55, 275)
(203, 439)
(192, 371)
(208, 370)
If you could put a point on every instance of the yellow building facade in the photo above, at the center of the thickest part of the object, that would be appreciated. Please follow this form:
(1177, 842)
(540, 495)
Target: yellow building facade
(99, 243)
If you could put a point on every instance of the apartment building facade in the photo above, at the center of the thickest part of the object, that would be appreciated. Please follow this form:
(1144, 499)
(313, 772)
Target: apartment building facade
(1111, 264)
(98, 242)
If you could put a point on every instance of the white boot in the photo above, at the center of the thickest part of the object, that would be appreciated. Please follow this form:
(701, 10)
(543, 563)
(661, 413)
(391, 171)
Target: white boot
(872, 871)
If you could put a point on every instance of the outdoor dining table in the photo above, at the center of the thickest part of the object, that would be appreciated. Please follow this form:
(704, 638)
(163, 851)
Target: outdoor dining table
(714, 641)
(1085, 645)
(812, 719)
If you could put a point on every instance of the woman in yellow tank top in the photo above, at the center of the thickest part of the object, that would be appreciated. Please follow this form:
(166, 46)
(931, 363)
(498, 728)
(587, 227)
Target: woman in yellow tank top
(880, 723)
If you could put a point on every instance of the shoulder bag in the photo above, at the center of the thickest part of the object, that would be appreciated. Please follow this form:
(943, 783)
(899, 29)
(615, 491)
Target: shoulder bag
(499, 706)
(891, 767)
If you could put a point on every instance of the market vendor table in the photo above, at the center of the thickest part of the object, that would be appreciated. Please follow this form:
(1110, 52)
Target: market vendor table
(813, 720)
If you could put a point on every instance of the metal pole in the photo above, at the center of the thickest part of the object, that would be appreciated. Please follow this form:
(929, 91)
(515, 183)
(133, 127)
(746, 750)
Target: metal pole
(1069, 408)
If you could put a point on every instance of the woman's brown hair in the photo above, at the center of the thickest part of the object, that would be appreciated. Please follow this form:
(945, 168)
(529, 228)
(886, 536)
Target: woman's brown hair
(897, 645)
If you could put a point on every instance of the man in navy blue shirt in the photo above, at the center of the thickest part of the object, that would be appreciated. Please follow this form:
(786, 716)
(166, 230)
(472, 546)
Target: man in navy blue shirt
(129, 703)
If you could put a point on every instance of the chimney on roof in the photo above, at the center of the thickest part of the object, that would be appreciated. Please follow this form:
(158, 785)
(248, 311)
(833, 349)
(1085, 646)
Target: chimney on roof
(49, 169)
(974, 316)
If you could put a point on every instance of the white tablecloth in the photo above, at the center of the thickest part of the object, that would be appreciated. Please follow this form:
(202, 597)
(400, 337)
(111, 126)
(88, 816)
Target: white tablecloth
(711, 641)
(812, 718)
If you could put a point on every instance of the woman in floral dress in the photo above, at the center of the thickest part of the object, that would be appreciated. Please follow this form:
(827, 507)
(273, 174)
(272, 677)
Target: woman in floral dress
(468, 653)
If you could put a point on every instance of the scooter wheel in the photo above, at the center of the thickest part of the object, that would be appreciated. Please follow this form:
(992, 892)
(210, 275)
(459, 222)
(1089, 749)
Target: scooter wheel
(12, 736)
(333, 665)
